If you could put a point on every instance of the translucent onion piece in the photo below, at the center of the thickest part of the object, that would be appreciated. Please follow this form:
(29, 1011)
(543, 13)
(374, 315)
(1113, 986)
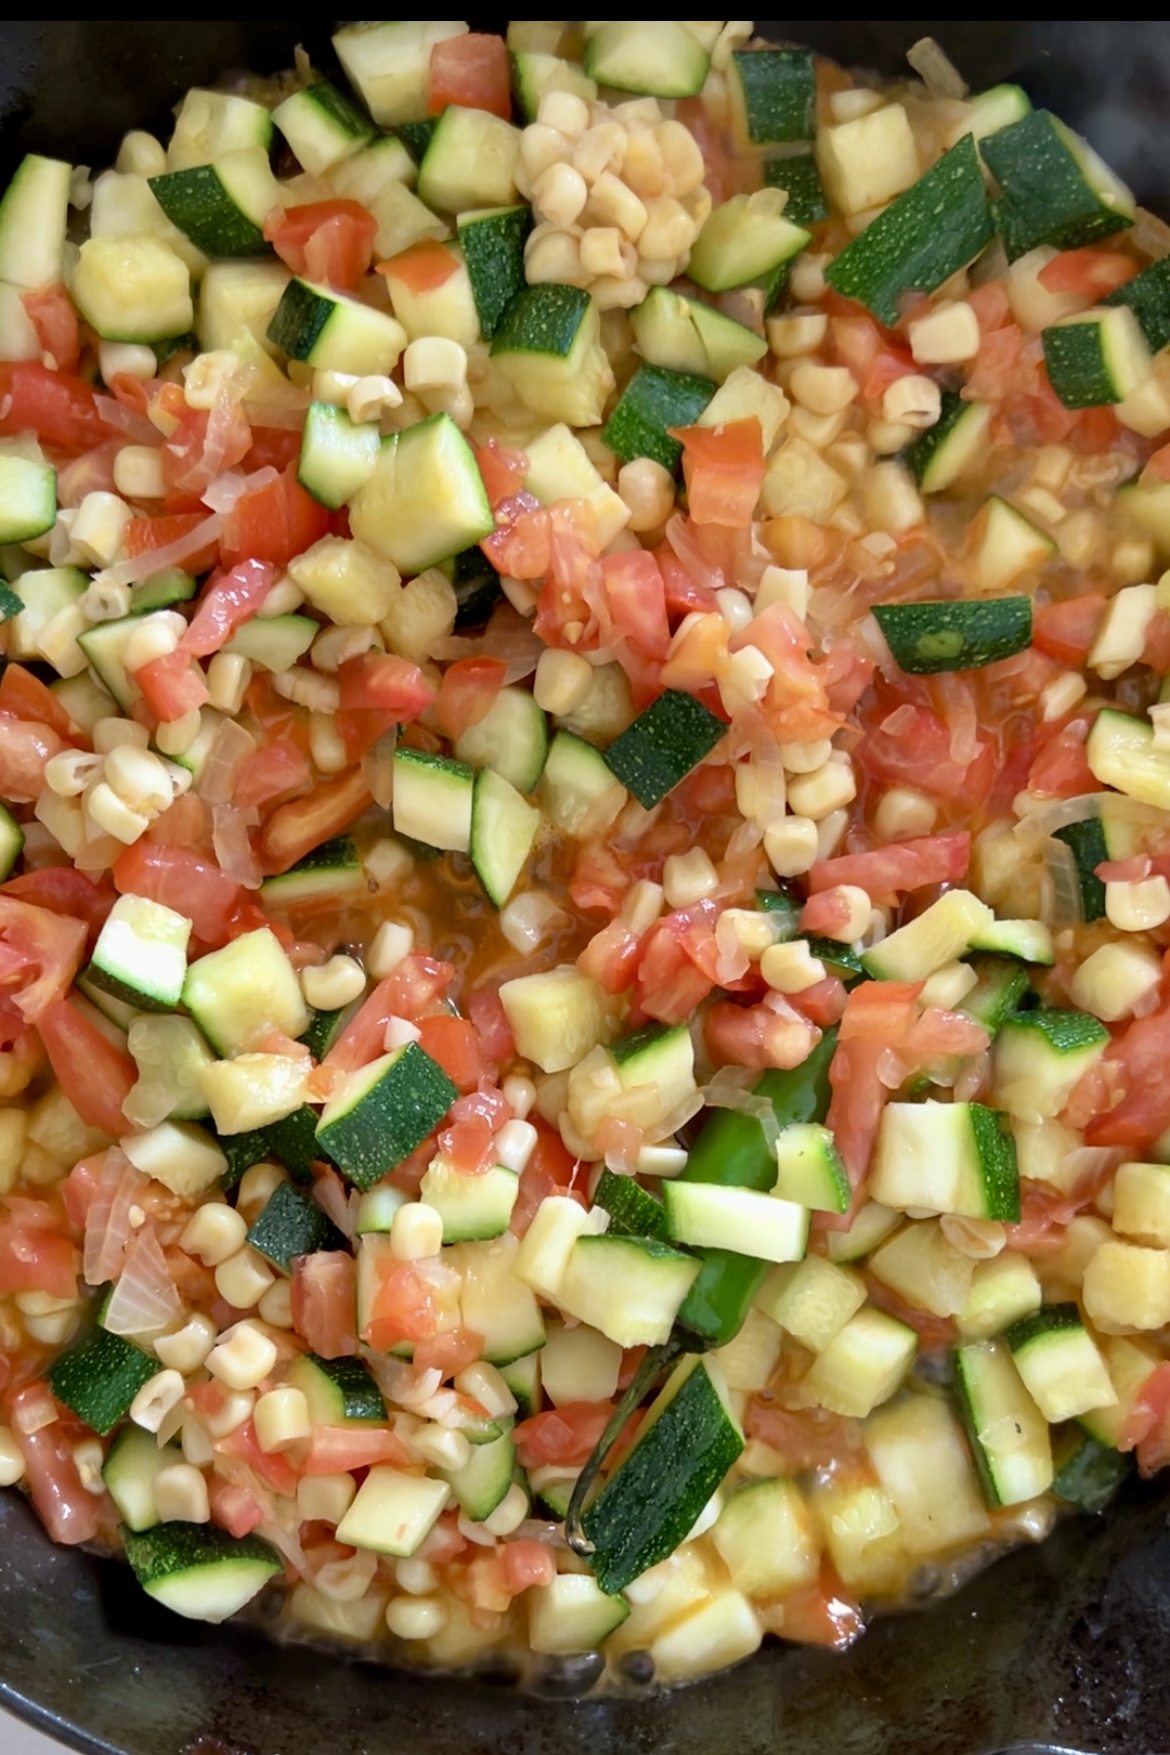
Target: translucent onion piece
(936, 70)
(173, 554)
(231, 748)
(1060, 867)
(233, 849)
(107, 1226)
(145, 1297)
(530, 919)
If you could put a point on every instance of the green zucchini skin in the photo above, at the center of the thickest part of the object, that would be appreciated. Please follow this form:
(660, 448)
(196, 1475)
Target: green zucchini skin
(960, 634)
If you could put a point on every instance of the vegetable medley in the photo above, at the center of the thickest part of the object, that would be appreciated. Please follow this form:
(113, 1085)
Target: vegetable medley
(587, 842)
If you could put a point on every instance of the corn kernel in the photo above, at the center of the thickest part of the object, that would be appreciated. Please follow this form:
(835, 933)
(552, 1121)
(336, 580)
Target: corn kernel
(946, 336)
(107, 811)
(325, 1498)
(800, 332)
(331, 985)
(417, 1577)
(562, 681)
(326, 745)
(902, 813)
(275, 1307)
(444, 1447)
(509, 1513)
(791, 967)
(915, 399)
(611, 202)
(554, 258)
(560, 193)
(519, 1091)
(822, 389)
(791, 846)
(69, 773)
(415, 1617)
(243, 1279)
(416, 1232)
(541, 146)
(281, 1418)
(514, 1144)
(139, 778)
(213, 1233)
(115, 357)
(228, 677)
(826, 789)
(187, 1348)
(155, 1400)
(138, 472)
(688, 877)
(236, 1408)
(368, 398)
(100, 526)
(180, 1495)
(565, 112)
(1138, 906)
(141, 155)
(242, 1357)
(11, 1459)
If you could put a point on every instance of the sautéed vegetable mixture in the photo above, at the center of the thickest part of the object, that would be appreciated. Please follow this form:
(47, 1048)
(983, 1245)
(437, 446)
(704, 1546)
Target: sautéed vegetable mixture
(586, 846)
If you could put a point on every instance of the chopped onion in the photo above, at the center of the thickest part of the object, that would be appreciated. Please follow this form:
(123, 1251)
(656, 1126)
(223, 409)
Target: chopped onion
(936, 70)
(771, 790)
(91, 473)
(508, 636)
(172, 554)
(231, 748)
(900, 720)
(669, 1124)
(685, 544)
(107, 1226)
(378, 769)
(1064, 887)
(730, 1089)
(334, 1199)
(1039, 825)
(128, 420)
(233, 848)
(145, 1297)
(732, 961)
(227, 488)
(530, 920)
(1150, 235)
(398, 1032)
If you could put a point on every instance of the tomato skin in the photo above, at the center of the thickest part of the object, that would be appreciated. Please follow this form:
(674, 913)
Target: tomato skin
(470, 70)
(724, 470)
(225, 604)
(324, 1300)
(172, 686)
(294, 829)
(454, 1043)
(380, 682)
(1066, 631)
(184, 880)
(272, 1467)
(44, 951)
(329, 241)
(26, 749)
(637, 600)
(905, 865)
(25, 696)
(273, 523)
(59, 889)
(60, 409)
(423, 268)
(96, 1077)
(67, 1510)
(562, 1435)
(334, 1450)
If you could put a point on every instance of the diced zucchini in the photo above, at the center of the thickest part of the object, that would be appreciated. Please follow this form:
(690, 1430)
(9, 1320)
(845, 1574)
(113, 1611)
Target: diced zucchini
(41, 594)
(132, 1462)
(991, 110)
(292, 1224)
(1148, 297)
(943, 453)
(1060, 1363)
(338, 455)
(222, 207)
(918, 1452)
(471, 1207)
(322, 125)
(929, 233)
(1040, 1056)
(685, 1445)
(470, 162)
(379, 1114)
(1130, 1365)
(954, 634)
(1006, 545)
(628, 1287)
(946, 1158)
(393, 1512)
(556, 1016)
(579, 1365)
(923, 1267)
(652, 402)
(447, 305)
(1003, 1289)
(667, 740)
(684, 335)
(332, 870)
(548, 349)
(766, 1539)
(864, 1364)
(433, 799)
(1088, 1474)
(183, 1157)
(133, 289)
(812, 1300)
(798, 174)
(388, 63)
(239, 299)
(633, 1210)
(1122, 752)
(28, 498)
(249, 986)
(496, 1303)
(577, 791)
(33, 216)
(740, 1219)
(99, 1378)
(504, 827)
(199, 1571)
(340, 1392)
(1054, 188)
(141, 954)
(493, 242)
(661, 58)
(740, 242)
(1029, 941)
(1008, 1433)
(425, 500)
(1096, 357)
(560, 468)
(572, 1615)
(934, 938)
(511, 739)
(326, 328)
(482, 1482)
(773, 95)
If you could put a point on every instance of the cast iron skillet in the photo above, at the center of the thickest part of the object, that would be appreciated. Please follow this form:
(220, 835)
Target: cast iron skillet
(1058, 1647)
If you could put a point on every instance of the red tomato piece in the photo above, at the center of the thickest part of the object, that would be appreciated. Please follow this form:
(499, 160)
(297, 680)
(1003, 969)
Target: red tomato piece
(67, 1510)
(527, 1562)
(454, 1043)
(294, 829)
(324, 1299)
(51, 313)
(637, 600)
(44, 954)
(224, 605)
(185, 880)
(35, 1256)
(1066, 631)
(1138, 1054)
(403, 1308)
(407, 992)
(25, 750)
(724, 471)
(96, 1077)
(172, 685)
(334, 1450)
(234, 1509)
(329, 241)
(1061, 770)
(144, 535)
(62, 890)
(472, 71)
(423, 268)
(382, 683)
(565, 1436)
(906, 865)
(467, 1146)
(25, 696)
(468, 692)
(503, 470)
(271, 1467)
(274, 523)
(60, 409)
(1093, 272)
(453, 1350)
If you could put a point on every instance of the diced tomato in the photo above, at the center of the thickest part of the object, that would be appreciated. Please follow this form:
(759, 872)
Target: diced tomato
(273, 523)
(273, 448)
(379, 682)
(224, 605)
(60, 409)
(204, 443)
(503, 470)
(472, 71)
(324, 1301)
(757, 1036)
(234, 1508)
(67, 1510)
(451, 1351)
(334, 1450)
(276, 769)
(172, 686)
(637, 600)
(294, 829)
(62, 890)
(1092, 272)
(807, 1438)
(1147, 1425)
(485, 1009)
(183, 880)
(990, 304)
(890, 871)
(723, 467)
(26, 748)
(328, 241)
(271, 1467)
(818, 1614)
(423, 268)
(96, 1077)
(43, 952)
(454, 1043)
(1158, 464)
(35, 1254)
(1138, 1055)
(521, 547)
(469, 690)
(611, 957)
(25, 696)
(527, 1562)
(565, 1436)
(670, 985)
(917, 753)
(1066, 631)
(144, 535)
(407, 992)
(51, 313)
(403, 1307)
(467, 1145)
(1061, 769)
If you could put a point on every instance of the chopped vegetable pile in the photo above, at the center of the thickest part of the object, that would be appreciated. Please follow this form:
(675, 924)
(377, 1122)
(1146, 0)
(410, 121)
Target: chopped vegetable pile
(585, 857)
